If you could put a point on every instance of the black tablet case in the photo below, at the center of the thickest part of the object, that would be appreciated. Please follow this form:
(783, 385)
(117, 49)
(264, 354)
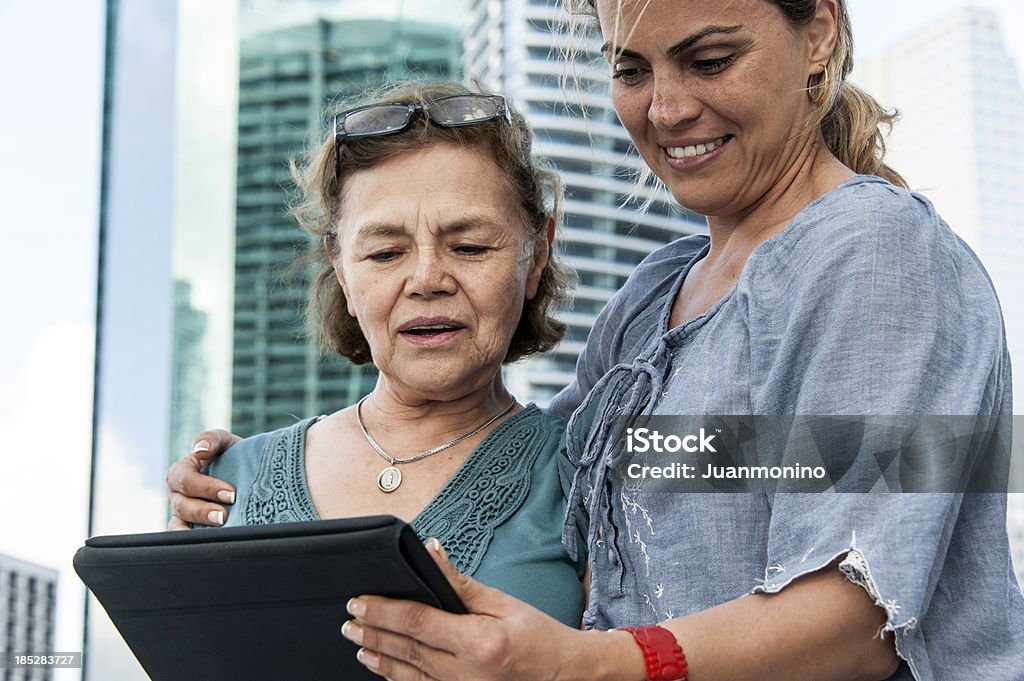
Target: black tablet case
(255, 603)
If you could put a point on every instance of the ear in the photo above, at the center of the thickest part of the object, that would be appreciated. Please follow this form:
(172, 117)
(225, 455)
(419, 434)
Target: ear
(334, 255)
(822, 34)
(541, 256)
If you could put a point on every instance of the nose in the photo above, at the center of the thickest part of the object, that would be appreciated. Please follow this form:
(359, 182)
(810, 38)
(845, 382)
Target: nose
(672, 104)
(430, 276)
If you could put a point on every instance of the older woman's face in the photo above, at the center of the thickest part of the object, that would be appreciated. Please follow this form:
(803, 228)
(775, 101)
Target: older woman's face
(712, 92)
(436, 263)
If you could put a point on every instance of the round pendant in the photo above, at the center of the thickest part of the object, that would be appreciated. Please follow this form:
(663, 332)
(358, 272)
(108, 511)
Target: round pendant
(389, 479)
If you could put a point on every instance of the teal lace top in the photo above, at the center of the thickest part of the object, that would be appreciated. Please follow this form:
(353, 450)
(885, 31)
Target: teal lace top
(499, 517)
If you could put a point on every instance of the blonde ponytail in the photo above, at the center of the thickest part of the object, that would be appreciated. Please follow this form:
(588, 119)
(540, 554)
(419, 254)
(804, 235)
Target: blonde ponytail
(851, 120)
(853, 132)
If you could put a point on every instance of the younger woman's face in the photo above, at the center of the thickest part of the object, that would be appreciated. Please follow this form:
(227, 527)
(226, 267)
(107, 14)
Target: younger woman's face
(713, 93)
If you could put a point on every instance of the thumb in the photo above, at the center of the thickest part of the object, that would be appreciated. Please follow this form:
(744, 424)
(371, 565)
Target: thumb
(475, 596)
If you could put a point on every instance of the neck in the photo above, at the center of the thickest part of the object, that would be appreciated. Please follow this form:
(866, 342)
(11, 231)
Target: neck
(734, 237)
(431, 421)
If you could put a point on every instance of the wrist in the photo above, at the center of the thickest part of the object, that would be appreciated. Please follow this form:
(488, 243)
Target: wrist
(608, 656)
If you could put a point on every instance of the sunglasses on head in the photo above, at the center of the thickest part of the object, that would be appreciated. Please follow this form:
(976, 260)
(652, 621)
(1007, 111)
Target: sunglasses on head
(453, 111)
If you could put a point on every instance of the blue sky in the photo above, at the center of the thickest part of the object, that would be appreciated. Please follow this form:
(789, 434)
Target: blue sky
(49, 186)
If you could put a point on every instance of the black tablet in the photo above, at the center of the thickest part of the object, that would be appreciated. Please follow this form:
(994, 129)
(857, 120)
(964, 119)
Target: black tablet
(261, 603)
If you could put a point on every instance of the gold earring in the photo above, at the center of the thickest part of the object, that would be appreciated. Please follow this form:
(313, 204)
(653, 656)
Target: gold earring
(818, 92)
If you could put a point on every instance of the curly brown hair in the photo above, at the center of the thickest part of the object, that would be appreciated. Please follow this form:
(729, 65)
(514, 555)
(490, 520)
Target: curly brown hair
(320, 177)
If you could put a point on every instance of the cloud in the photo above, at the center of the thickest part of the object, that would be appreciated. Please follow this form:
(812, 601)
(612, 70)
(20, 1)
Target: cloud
(45, 425)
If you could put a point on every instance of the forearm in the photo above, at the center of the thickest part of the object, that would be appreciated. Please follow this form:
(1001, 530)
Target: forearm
(821, 627)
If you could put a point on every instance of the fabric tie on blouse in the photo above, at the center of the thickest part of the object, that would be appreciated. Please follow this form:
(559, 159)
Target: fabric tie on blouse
(625, 391)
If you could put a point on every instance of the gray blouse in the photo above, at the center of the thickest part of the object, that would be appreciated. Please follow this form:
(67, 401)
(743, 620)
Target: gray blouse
(866, 304)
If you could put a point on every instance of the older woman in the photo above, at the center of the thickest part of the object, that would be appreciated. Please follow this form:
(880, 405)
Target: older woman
(823, 289)
(437, 267)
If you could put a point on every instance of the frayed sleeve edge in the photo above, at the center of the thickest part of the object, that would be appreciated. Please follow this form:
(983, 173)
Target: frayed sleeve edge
(855, 568)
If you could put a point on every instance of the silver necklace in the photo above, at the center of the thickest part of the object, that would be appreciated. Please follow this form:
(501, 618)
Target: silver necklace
(390, 478)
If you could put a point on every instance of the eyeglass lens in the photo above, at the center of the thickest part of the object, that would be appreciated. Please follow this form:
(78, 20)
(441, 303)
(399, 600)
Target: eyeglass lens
(462, 110)
(377, 119)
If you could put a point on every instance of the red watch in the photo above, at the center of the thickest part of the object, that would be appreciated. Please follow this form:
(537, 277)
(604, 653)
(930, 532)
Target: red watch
(662, 653)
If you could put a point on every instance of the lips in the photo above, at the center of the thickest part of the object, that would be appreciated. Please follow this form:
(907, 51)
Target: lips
(428, 327)
(695, 149)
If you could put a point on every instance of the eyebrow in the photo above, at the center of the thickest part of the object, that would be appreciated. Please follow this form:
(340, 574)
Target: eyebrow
(463, 224)
(681, 46)
(469, 223)
(379, 229)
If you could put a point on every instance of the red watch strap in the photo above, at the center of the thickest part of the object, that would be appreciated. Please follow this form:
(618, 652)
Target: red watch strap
(662, 653)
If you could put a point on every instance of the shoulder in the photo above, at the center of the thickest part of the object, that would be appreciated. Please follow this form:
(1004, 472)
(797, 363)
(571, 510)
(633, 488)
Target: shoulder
(533, 426)
(250, 461)
(247, 452)
(867, 213)
(548, 421)
(869, 287)
(873, 233)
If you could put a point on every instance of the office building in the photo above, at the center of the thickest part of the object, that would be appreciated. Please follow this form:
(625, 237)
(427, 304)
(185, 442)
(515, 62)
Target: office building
(514, 46)
(287, 77)
(188, 372)
(28, 598)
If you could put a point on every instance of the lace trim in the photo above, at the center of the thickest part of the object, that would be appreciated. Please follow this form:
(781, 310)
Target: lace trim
(486, 491)
(279, 492)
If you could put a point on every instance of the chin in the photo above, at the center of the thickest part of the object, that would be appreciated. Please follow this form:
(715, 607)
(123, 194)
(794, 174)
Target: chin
(440, 388)
(702, 205)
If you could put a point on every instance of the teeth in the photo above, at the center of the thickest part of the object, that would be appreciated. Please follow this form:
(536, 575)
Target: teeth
(433, 327)
(694, 150)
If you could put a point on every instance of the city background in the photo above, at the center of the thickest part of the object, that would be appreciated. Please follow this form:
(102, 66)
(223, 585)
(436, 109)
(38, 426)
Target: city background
(146, 243)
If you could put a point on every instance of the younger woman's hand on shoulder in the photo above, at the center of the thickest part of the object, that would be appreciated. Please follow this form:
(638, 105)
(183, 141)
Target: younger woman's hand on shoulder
(191, 492)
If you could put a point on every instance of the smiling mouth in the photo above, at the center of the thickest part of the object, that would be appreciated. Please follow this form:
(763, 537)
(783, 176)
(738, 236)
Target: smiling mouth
(696, 149)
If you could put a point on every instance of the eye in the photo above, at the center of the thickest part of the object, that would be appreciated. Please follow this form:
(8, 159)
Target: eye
(469, 249)
(628, 73)
(709, 67)
(384, 256)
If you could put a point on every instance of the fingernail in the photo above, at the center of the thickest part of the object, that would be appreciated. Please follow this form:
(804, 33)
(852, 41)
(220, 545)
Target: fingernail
(201, 446)
(226, 496)
(352, 631)
(356, 607)
(368, 658)
(434, 545)
(216, 518)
